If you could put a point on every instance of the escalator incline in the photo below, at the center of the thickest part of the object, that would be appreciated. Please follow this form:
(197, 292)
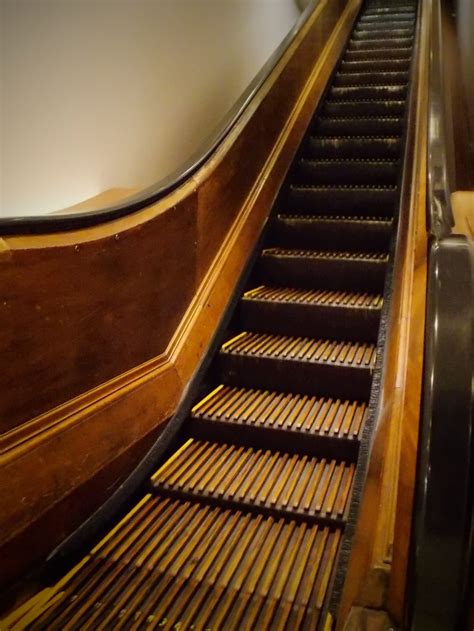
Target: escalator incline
(242, 524)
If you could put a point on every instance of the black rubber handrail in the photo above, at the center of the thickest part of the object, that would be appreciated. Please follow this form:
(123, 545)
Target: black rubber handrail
(440, 216)
(150, 195)
(441, 559)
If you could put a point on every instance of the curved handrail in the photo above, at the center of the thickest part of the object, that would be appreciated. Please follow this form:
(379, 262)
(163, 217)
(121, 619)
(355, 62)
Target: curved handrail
(440, 216)
(150, 195)
(442, 538)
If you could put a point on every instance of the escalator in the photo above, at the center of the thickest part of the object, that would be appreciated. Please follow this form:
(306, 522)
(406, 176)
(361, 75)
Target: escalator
(241, 526)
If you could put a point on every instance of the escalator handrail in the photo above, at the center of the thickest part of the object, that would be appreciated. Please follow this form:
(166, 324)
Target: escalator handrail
(442, 535)
(59, 223)
(440, 216)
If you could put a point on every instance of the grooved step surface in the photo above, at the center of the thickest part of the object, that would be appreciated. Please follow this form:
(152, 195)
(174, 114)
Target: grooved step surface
(358, 126)
(383, 21)
(343, 200)
(312, 269)
(380, 44)
(324, 255)
(313, 415)
(399, 54)
(369, 34)
(351, 78)
(364, 108)
(348, 171)
(376, 92)
(392, 10)
(320, 297)
(332, 314)
(173, 563)
(354, 147)
(330, 352)
(287, 483)
(376, 65)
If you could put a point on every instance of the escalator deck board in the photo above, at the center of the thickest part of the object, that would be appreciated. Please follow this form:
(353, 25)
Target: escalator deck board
(242, 524)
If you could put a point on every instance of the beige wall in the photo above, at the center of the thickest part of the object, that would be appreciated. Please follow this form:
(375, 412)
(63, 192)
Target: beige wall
(99, 94)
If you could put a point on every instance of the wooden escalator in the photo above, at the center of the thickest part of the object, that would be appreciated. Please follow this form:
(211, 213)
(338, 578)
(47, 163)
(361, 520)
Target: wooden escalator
(242, 524)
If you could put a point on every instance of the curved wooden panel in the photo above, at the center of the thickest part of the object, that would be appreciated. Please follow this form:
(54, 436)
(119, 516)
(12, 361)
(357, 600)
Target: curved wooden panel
(102, 328)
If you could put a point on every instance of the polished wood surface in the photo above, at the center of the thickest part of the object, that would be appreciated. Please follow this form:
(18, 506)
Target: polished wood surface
(103, 327)
(462, 204)
(376, 577)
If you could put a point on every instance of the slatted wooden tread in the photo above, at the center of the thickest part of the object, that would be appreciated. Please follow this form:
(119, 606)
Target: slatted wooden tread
(287, 483)
(313, 415)
(331, 352)
(388, 54)
(381, 33)
(378, 65)
(336, 219)
(177, 564)
(373, 257)
(375, 26)
(320, 297)
(357, 119)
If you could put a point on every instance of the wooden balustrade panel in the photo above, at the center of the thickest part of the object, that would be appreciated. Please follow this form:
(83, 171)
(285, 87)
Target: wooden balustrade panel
(78, 314)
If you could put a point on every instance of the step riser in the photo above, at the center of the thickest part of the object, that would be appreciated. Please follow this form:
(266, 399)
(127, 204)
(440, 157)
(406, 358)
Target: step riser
(339, 172)
(364, 108)
(384, 21)
(266, 511)
(294, 376)
(353, 148)
(310, 273)
(370, 27)
(349, 236)
(342, 323)
(276, 439)
(388, 12)
(367, 35)
(347, 201)
(369, 92)
(353, 67)
(370, 78)
(348, 127)
(380, 44)
(386, 54)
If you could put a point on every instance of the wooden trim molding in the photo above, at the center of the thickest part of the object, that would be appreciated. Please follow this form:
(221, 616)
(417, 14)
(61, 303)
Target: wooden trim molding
(103, 327)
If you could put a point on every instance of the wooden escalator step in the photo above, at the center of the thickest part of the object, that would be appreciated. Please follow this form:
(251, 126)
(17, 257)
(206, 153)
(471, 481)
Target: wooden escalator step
(313, 415)
(307, 487)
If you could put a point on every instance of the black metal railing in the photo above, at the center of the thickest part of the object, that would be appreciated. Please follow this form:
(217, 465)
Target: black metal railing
(442, 533)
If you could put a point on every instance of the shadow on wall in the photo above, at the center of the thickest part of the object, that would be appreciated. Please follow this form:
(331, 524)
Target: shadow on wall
(102, 94)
